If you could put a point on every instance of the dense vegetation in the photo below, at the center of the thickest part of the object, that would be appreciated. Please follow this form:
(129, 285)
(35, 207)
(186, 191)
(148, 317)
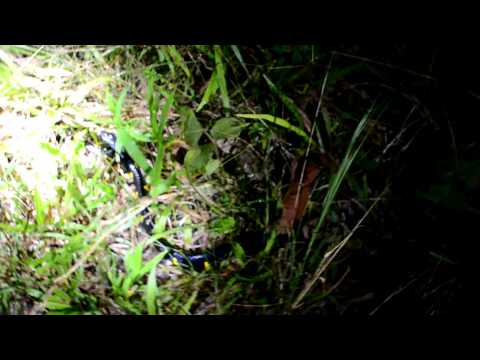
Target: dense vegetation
(334, 174)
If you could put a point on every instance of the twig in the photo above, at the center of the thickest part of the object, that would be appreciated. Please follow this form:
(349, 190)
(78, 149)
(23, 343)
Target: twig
(392, 295)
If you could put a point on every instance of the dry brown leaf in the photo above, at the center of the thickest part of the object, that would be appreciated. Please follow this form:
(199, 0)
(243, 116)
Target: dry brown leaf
(296, 199)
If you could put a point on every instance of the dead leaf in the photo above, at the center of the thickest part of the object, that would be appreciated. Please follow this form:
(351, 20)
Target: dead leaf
(296, 198)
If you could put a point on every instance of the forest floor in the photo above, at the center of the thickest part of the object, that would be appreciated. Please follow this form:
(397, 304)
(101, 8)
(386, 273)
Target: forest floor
(335, 176)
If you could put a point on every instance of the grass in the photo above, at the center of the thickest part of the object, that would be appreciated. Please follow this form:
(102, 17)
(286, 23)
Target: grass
(215, 129)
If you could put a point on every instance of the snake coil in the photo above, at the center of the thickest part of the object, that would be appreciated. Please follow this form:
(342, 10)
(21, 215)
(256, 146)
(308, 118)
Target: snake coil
(198, 261)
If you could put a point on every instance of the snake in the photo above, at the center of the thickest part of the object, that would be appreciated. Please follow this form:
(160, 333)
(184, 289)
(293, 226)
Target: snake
(198, 261)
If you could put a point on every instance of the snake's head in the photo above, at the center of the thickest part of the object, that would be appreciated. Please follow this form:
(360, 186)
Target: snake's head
(108, 141)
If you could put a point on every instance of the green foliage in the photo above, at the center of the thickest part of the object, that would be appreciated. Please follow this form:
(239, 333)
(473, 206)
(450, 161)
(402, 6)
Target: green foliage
(192, 129)
(225, 128)
(253, 81)
(198, 157)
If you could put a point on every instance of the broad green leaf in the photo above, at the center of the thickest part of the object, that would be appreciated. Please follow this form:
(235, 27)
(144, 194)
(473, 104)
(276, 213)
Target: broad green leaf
(36, 294)
(212, 166)
(197, 157)
(226, 128)
(192, 129)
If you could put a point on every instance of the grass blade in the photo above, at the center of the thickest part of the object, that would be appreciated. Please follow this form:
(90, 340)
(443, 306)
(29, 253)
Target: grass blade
(329, 256)
(153, 103)
(186, 308)
(222, 83)
(40, 208)
(178, 59)
(237, 53)
(289, 103)
(338, 178)
(156, 173)
(151, 292)
(211, 89)
(124, 138)
(278, 121)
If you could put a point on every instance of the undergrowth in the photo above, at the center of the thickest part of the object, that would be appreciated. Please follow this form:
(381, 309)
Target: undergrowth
(223, 134)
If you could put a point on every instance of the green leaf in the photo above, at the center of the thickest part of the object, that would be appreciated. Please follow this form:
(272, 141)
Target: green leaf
(55, 305)
(224, 226)
(36, 294)
(133, 260)
(152, 264)
(239, 253)
(289, 103)
(51, 149)
(178, 59)
(192, 129)
(117, 105)
(163, 185)
(226, 128)
(222, 83)
(212, 166)
(237, 53)
(187, 233)
(338, 178)
(188, 305)
(152, 100)
(270, 242)
(58, 301)
(197, 158)
(278, 121)
(164, 55)
(151, 292)
(132, 149)
(161, 223)
(40, 208)
(124, 138)
(211, 89)
(156, 173)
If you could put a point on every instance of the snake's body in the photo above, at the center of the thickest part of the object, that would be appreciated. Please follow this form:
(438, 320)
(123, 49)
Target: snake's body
(197, 261)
